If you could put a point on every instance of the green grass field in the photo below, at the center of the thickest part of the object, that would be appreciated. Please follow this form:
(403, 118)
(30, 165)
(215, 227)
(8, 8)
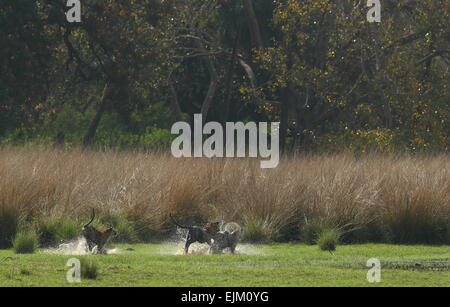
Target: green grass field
(270, 265)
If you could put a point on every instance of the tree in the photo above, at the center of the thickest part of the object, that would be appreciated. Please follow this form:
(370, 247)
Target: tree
(25, 55)
(119, 44)
(339, 74)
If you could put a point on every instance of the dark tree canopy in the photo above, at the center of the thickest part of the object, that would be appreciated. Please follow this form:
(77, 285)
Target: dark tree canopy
(130, 69)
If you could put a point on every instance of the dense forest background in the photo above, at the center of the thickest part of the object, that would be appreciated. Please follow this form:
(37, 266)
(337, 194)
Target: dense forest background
(130, 69)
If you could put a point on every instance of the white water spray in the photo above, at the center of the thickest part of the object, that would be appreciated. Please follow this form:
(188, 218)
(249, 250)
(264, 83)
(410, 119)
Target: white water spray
(77, 247)
(175, 246)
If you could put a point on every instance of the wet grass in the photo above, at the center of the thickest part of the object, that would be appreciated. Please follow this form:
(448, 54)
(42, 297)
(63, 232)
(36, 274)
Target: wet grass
(272, 265)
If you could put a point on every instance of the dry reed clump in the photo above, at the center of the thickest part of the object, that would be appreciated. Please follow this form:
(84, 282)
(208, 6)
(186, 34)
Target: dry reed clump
(373, 198)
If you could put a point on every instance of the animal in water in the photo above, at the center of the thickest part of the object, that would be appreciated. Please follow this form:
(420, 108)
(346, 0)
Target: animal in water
(96, 239)
(223, 240)
(199, 234)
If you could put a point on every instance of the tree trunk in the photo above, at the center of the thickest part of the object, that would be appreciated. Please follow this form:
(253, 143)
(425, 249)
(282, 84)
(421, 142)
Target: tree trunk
(229, 78)
(213, 75)
(176, 109)
(284, 118)
(298, 139)
(90, 135)
(253, 24)
(209, 97)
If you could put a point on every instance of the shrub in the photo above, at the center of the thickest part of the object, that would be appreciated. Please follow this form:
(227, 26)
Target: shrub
(54, 229)
(147, 231)
(329, 239)
(25, 242)
(89, 268)
(312, 230)
(288, 232)
(126, 230)
(257, 231)
(9, 221)
(418, 229)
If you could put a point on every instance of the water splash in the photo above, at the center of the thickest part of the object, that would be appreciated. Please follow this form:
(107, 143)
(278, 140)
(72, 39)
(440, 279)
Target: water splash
(175, 246)
(77, 247)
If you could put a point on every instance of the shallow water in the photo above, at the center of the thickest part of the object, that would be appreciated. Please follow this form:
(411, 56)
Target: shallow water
(175, 246)
(77, 247)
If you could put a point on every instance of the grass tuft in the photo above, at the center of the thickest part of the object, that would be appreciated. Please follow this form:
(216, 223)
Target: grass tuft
(25, 242)
(126, 229)
(311, 231)
(257, 231)
(53, 230)
(329, 240)
(89, 268)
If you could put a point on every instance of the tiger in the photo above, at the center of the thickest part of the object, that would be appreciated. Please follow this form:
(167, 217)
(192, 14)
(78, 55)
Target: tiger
(223, 240)
(198, 234)
(228, 238)
(95, 239)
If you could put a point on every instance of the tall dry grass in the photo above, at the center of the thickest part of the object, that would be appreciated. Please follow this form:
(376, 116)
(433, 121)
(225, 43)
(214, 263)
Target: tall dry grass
(403, 199)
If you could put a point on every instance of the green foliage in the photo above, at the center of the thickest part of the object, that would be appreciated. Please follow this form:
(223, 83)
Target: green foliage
(89, 268)
(25, 62)
(256, 231)
(409, 228)
(127, 231)
(354, 84)
(55, 229)
(25, 242)
(9, 223)
(329, 239)
(346, 83)
(111, 132)
(321, 232)
(312, 230)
